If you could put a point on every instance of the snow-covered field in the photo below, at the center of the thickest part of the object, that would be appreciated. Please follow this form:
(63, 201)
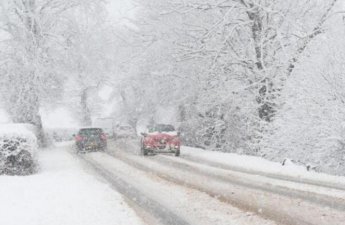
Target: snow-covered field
(62, 193)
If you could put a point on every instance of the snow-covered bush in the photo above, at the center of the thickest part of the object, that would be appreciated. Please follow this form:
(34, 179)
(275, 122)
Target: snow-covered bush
(310, 126)
(18, 147)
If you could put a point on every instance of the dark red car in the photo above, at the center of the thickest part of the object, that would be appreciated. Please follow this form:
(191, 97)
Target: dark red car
(91, 139)
(161, 138)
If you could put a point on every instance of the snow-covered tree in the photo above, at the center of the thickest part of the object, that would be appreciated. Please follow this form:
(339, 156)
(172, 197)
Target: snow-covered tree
(231, 58)
(33, 33)
(29, 27)
(90, 52)
(310, 126)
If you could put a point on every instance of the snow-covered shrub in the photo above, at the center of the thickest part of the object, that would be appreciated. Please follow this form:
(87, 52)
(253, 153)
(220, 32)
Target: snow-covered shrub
(18, 147)
(226, 127)
(310, 126)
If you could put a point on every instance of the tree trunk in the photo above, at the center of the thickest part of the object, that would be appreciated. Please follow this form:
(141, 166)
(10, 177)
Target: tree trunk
(24, 106)
(266, 109)
(85, 111)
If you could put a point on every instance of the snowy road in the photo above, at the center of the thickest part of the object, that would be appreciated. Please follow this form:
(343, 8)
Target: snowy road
(171, 203)
(119, 187)
(283, 201)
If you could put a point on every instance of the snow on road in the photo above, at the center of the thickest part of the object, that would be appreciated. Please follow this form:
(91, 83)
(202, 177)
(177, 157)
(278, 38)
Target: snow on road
(270, 183)
(192, 205)
(279, 199)
(62, 193)
(255, 166)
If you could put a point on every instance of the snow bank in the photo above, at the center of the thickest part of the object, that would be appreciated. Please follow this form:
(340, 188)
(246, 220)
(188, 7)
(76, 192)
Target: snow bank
(62, 193)
(260, 165)
(4, 118)
(16, 129)
(245, 163)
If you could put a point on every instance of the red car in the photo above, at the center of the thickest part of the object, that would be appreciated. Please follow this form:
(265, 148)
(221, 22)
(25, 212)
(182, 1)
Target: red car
(161, 138)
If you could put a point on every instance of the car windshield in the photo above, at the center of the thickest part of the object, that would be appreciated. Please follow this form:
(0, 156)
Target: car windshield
(90, 131)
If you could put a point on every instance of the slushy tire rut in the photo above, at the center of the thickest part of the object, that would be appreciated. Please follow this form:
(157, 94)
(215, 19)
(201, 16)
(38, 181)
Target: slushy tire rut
(163, 215)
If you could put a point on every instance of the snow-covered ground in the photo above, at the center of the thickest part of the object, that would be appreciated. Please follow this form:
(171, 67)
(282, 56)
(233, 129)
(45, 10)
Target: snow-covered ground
(62, 193)
(284, 201)
(250, 164)
(259, 165)
(190, 205)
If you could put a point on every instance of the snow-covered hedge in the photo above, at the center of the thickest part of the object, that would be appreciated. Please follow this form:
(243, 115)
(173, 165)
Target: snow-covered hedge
(18, 147)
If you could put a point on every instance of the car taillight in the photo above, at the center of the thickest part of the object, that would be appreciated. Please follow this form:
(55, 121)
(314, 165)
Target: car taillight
(78, 138)
(103, 137)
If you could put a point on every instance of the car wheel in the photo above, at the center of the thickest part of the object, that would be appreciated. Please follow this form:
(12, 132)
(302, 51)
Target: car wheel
(103, 148)
(144, 151)
(79, 149)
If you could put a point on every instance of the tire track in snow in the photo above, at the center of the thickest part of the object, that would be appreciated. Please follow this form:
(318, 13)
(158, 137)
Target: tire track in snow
(262, 173)
(321, 199)
(193, 206)
(163, 215)
(255, 202)
(133, 147)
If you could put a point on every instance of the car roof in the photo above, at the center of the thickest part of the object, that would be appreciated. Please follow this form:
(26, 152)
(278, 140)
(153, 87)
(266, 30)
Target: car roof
(163, 124)
(91, 128)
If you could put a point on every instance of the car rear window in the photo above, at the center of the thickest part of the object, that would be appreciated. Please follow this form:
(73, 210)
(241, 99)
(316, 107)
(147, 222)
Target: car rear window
(90, 131)
(163, 128)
